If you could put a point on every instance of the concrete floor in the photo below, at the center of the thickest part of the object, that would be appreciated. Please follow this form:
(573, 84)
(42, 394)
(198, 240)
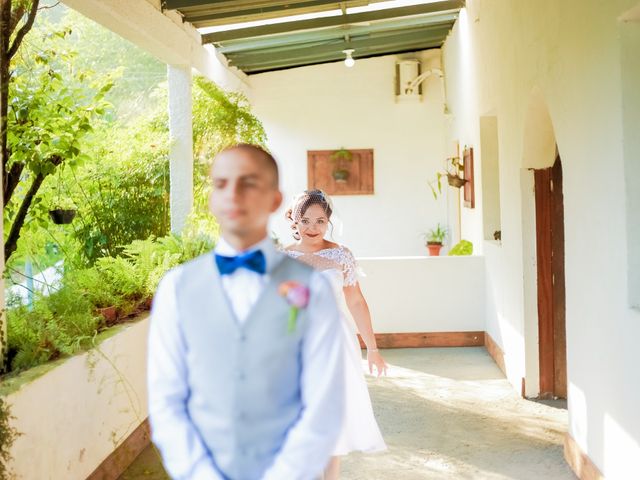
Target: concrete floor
(447, 414)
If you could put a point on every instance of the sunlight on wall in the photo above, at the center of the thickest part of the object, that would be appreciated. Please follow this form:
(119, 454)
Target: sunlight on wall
(577, 404)
(513, 348)
(621, 451)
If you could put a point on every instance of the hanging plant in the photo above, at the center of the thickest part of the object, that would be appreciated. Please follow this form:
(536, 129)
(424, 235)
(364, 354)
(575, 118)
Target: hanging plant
(341, 159)
(61, 216)
(63, 210)
(455, 176)
(340, 175)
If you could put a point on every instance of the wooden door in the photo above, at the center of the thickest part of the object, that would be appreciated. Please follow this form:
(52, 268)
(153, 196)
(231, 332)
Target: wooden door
(551, 291)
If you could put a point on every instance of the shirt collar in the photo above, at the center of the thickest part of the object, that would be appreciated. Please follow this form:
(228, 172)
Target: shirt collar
(223, 247)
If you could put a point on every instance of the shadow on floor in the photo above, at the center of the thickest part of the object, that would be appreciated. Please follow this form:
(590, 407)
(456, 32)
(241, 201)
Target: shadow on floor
(447, 414)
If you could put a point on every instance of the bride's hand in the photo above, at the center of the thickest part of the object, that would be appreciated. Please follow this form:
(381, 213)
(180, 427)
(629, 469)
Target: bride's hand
(374, 358)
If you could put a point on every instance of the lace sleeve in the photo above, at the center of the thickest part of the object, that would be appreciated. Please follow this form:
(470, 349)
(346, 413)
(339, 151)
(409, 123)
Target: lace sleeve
(349, 268)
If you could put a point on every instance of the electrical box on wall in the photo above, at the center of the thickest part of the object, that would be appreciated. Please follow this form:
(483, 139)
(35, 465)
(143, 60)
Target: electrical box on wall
(406, 72)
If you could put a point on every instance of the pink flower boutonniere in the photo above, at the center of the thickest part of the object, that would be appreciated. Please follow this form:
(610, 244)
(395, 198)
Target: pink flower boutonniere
(297, 296)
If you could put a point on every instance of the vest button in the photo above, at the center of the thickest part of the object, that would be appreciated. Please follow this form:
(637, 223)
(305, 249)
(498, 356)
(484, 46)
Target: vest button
(241, 376)
(242, 337)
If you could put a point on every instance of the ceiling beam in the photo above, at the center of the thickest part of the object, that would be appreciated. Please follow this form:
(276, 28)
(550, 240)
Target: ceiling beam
(361, 47)
(218, 37)
(262, 68)
(215, 18)
(295, 51)
(177, 4)
(311, 36)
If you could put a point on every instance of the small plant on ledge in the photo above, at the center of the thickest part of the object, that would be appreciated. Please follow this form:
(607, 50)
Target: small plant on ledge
(341, 160)
(454, 173)
(435, 239)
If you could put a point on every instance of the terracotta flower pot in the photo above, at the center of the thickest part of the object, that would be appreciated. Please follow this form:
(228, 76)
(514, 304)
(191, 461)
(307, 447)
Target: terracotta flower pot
(110, 314)
(434, 249)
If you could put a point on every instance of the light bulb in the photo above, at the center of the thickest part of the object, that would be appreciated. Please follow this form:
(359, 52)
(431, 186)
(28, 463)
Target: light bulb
(349, 61)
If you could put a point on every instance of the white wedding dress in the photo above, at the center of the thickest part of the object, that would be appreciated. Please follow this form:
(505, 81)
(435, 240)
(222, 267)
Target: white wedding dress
(360, 431)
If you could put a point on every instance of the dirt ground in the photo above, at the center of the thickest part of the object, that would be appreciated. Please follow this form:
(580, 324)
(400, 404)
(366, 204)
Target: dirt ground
(447, 413)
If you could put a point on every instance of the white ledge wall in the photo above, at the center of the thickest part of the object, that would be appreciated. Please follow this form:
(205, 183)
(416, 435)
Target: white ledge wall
(424, 294)
(75, 415)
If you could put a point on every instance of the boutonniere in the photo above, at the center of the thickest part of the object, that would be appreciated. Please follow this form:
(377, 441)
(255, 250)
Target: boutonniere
(297, 296)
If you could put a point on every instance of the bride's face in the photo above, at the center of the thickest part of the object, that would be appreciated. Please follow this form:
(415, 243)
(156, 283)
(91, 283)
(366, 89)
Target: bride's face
(313, 225)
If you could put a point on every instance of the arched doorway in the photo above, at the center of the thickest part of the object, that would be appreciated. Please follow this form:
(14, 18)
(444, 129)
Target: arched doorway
(543, 252)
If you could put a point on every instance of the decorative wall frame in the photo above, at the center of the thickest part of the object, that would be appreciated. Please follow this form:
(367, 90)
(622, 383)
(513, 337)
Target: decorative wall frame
(341, 172)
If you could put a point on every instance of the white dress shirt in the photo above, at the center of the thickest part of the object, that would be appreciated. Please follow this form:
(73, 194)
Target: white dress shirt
(243, 287)
(306, 449)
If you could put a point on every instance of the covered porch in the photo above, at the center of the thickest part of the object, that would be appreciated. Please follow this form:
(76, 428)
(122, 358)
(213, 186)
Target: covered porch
(510, 90)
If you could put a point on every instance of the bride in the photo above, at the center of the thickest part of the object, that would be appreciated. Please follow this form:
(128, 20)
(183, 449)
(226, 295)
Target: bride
(310, 216)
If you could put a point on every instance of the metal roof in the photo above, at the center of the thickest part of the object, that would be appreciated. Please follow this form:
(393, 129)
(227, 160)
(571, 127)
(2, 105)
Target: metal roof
(307, 41)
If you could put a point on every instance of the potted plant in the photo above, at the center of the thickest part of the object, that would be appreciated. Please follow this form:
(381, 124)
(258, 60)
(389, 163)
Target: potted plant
(455, 176)
(341, 160)
(435, 239)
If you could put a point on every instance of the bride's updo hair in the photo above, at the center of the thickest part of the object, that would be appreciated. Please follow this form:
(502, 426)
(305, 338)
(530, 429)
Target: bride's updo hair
(301, 204)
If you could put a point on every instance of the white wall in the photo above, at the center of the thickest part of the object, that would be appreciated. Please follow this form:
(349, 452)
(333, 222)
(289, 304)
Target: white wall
(520, 61)
(75, 415)
(426, 294)
(330, 106)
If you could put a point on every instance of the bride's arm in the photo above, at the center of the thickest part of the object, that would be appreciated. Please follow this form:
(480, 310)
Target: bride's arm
(360, 312)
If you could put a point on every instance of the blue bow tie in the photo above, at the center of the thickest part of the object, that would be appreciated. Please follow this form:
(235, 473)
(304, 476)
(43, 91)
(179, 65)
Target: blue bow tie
(254, 261)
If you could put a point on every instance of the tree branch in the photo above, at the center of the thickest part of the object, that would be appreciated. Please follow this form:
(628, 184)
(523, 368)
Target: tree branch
(12, 240)
(16, 15)
(24, 29)
(11, 181)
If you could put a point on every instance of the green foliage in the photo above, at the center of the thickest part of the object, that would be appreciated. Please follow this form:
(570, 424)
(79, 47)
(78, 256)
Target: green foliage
(436, 235)
(66, 320)
(59, 324)
(463, 247)
(124, 194)
(113, 169)
(221, 118)
(8, 435)
(342, 154)
(136, 72)
(153, 257)
(52, 109)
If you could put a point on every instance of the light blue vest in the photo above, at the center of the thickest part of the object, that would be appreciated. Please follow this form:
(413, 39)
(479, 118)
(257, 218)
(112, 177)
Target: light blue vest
(244, 377)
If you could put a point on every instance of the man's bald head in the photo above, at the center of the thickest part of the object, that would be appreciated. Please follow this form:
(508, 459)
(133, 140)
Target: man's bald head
(259, 154)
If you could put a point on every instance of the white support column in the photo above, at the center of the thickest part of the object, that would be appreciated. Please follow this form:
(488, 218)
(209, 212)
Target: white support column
(181, 150)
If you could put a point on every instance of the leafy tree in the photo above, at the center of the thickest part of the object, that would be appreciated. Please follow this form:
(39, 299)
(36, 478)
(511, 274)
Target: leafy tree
(52, 108)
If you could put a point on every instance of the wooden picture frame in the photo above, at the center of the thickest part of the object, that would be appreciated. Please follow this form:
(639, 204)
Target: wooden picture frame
(469, 187)
(322, 164)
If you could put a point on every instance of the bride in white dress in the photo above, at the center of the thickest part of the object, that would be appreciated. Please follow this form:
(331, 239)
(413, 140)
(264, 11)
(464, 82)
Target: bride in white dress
(310, 217)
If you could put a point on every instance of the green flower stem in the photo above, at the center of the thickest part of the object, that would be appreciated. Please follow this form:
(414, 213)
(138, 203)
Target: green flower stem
(293, 315)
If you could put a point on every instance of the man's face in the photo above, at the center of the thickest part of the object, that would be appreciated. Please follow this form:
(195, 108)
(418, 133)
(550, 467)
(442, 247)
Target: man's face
(244, 192)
